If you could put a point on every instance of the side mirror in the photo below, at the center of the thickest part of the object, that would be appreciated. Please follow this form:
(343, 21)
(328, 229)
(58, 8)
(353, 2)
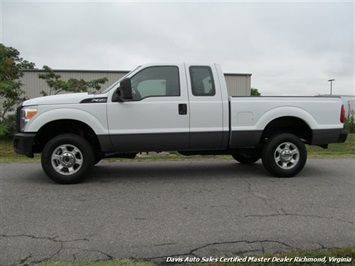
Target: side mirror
(124, 92)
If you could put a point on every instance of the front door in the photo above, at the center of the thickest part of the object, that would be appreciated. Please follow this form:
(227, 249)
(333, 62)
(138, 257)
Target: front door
(156, 119)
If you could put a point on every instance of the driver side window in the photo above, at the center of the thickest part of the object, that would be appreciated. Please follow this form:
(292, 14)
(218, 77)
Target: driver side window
(161, 81)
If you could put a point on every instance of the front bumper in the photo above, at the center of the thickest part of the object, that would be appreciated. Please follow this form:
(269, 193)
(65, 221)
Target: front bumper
(23, 143)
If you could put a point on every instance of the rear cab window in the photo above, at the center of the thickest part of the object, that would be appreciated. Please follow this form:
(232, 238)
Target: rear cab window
(202, 83)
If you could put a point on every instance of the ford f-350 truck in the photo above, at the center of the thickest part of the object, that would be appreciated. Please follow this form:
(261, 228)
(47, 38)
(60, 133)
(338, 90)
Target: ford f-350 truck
(174, 107)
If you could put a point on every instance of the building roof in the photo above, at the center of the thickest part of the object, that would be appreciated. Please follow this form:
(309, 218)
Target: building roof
(77, 70)
(108, 71)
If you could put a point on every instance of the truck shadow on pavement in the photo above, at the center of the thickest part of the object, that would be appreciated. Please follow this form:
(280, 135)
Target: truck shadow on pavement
(174, 169)
(168, 170)
(110, 172)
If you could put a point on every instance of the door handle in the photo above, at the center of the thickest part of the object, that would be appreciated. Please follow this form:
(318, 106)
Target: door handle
(182, 109)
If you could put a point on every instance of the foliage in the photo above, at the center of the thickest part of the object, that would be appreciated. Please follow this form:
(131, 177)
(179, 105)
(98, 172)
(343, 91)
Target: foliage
(254, 92)
(350, 123)
(11, 70)
(8, 127)
(58, 85)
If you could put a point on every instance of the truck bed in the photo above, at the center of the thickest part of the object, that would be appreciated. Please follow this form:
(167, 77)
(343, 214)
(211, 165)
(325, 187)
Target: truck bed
(314, 117)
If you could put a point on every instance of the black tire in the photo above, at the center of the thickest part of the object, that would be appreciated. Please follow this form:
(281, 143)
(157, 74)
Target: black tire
(97, 159)
(247, 156)
(284, 155)
(67, 158)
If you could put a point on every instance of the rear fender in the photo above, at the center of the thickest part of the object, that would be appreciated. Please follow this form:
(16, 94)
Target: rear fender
(279, 112)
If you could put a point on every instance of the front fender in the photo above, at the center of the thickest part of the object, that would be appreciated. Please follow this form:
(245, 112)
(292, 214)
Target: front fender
(97, 121)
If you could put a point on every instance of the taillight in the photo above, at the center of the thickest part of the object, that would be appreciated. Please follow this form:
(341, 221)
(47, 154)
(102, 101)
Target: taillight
(342, 114)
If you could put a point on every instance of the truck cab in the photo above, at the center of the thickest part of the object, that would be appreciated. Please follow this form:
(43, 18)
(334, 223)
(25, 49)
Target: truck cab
(171, 107)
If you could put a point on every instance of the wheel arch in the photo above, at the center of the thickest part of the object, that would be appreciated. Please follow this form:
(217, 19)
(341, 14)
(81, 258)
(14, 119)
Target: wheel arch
(64, 126)
(288, 124)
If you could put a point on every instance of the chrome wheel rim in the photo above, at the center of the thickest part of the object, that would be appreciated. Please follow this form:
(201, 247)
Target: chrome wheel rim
(287, 155)
(67, 159)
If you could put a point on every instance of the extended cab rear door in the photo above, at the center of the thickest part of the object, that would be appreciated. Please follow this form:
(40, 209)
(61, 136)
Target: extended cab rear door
(157, 118)
(208, 106)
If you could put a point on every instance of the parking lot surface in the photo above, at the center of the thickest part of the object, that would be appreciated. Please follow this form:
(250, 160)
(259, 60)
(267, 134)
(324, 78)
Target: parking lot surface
(159, 209)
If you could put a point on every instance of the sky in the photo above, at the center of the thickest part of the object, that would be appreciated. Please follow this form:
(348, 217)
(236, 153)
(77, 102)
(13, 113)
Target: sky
(290, 48)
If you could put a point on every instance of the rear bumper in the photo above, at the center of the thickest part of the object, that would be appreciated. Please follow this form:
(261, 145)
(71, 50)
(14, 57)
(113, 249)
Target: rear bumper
(23, 143)
(343, 136)
(327, 136)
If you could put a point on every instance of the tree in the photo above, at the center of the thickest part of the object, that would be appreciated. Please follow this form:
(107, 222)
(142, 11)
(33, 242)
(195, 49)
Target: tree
(254, 92)
(58, 85)
(11, 70)
(350, 122)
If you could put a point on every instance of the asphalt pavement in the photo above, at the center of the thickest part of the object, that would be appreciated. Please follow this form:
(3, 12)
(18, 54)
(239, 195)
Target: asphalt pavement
(172, 209)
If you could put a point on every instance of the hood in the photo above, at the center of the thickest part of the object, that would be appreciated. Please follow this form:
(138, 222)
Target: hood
(71, 98)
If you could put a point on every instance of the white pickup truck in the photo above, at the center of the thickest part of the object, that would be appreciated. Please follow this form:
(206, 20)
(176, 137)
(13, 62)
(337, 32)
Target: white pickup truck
(174, 107)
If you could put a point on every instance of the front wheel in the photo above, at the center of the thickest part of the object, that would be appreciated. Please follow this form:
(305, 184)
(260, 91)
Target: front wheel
(67, 158)
(284, 155)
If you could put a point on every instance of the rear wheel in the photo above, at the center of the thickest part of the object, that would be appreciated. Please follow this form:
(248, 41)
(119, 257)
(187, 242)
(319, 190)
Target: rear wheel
(67, 158)
(284, 155)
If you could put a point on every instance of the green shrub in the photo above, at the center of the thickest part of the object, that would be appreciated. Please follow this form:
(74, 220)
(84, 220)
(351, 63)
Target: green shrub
(350, 124)
(8, 127)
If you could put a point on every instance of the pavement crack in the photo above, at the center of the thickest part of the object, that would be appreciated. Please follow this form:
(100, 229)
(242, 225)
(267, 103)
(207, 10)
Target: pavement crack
(300, 215)
(53, 255)
(109, 257)
(242, 241)
(164, 244)
(104, 253)
(54, 239)
(24, 260)
(249, 185)
(193, 252)
(261, 197)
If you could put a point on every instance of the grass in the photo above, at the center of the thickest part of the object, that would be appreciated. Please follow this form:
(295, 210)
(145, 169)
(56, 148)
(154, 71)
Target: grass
(123, 262)
(296, 258)
(339, 150)
(7, 153)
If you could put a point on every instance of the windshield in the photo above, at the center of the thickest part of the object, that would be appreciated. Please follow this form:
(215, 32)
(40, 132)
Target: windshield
(118, 81)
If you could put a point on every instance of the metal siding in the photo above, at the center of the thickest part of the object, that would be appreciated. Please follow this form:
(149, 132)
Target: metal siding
(33, 85)
(237, 84)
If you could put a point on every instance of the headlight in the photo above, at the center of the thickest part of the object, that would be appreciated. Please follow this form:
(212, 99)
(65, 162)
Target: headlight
(27, 113)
